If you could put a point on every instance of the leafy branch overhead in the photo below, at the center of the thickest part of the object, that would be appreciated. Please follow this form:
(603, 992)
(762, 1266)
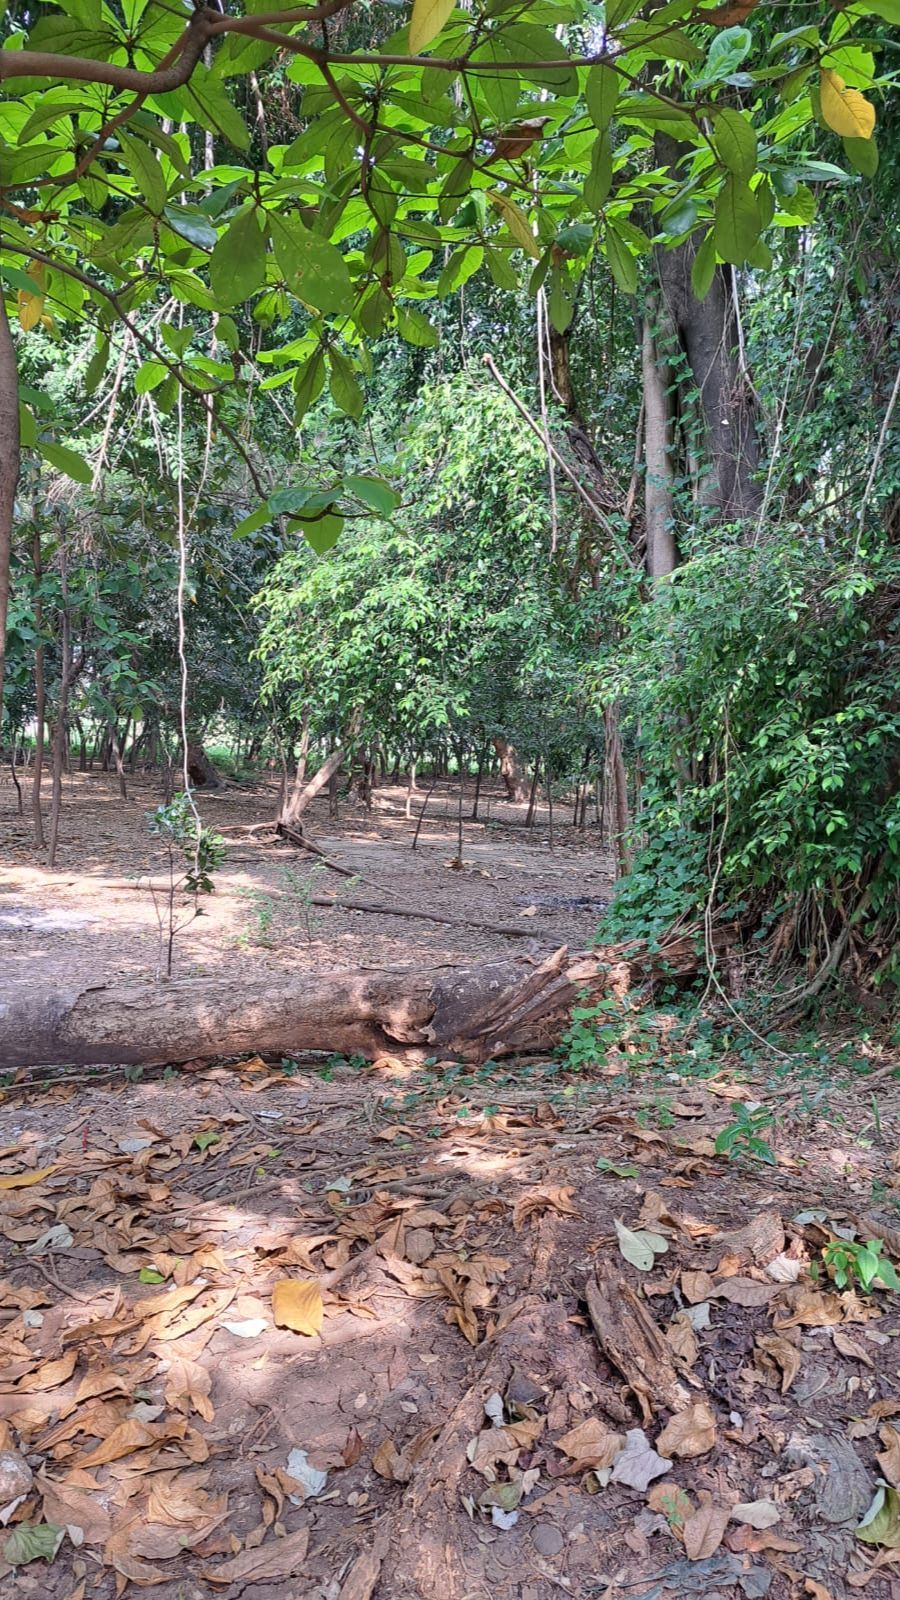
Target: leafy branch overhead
(509, 142)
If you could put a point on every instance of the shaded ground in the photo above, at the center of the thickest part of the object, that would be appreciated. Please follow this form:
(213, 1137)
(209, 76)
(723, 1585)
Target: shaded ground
(455, 1427)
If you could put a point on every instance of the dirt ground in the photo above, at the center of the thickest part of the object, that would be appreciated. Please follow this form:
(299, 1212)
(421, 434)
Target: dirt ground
(348, 1331)
(93, 919)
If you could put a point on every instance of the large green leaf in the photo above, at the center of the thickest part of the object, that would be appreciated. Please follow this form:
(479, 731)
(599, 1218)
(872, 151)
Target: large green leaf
(601, 93)
(735, 142)
(66, 461)
(598, 182)
(313, 268)
(738, 220)
(237, 266)
(146, 171)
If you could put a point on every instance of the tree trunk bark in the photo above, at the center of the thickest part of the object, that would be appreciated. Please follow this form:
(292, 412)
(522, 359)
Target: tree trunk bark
(494, 1008)
(616, 763)
(9, 472)
(709, 334)
(659, 473)
(514, 778)
(201, 771)
(40, 693)
(299, 801)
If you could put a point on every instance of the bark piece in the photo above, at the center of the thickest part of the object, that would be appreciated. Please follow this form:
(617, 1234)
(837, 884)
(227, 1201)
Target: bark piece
(631, 1340)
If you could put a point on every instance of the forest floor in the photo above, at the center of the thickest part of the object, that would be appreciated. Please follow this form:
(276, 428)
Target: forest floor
(347, 1331)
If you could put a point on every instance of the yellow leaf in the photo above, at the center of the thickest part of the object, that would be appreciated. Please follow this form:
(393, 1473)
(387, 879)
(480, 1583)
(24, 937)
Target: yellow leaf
(517, 223)
(31, 309)
(297, 1304)
(845, 110)
(428, 18)
(24, 1180)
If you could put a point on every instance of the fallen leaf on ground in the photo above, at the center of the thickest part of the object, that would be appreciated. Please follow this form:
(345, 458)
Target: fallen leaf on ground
(391, 1463)
(672, 1503)
(639, 1248)
(881, 1523)
(850, 1347)
(297, 1304)
(691, 1432)
(704, 1531)
(591, 1445)
(681, 1336)
(756, 1513)
(309, 1479)
(786, 1356)
(745, 1292)
(545, 1197)
(32, 1541)
(638, 1464)
(24, 1180)
(280, 1558)
(360, 1581)
(889, 1458)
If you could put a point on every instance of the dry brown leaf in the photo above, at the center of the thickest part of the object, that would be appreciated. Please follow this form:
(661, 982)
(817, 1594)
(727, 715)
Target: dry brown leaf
(391, 1463)
(297, 1304)
(419, 1245)
(544, 1197)
(691, 1432)
(756, 1513)
(130, 1436)
(850, 1347)
(280, 1558)
(889, 1458)
(681, 1336)
(590, 1445)
(103, 1381)
(817, 1591)
(24, 1180)
(809, 1308)
(743, 1292)
(704, 1531)
(48, 1376)
(67, 1505)
(785, 1355)
(696, 1286)
(187, 1387)
(754, 1540)
(760, 1239)
(672, 1503)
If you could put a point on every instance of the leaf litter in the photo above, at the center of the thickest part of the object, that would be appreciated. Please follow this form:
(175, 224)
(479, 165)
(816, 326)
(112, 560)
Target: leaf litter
(482, 1327)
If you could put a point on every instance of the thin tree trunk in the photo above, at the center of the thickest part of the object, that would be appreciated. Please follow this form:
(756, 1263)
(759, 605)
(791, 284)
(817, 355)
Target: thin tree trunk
(659, 474)
(59, 727)
(9, 473)
(620, 815)
(40, 691)
(285, 806)
(511, 772)
(532, 798)
(299, 802)
(15, 776)
(117, 748)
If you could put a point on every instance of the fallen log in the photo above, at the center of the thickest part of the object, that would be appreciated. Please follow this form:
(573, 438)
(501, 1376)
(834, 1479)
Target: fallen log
(491, 1009)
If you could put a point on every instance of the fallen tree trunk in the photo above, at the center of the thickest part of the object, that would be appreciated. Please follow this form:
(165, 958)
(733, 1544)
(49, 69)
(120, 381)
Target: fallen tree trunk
(492, 1009)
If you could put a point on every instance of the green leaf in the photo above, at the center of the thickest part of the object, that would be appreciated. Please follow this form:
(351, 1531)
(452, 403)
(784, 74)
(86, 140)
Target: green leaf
(738, 221)
(251, 523)
(204, 1140)
(345, 390)
(601, 93)
(560, 300)
(149, 375)
(862, 155)
(27, 427)
(150, 1275)
(323, 534)
(374, 492)
(237, 266)
(145, 170)
(66, 461)
(735, 142)
(703, 267)
(414, 327)
(308, 386)
(212, 108)
(190, 223)
(32, 1541)
(640, 1248)
(619, 11)
(598, 182)
(312, 267)
(516, 221)
(427, 20)
(623, 264)
(881, 1523)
